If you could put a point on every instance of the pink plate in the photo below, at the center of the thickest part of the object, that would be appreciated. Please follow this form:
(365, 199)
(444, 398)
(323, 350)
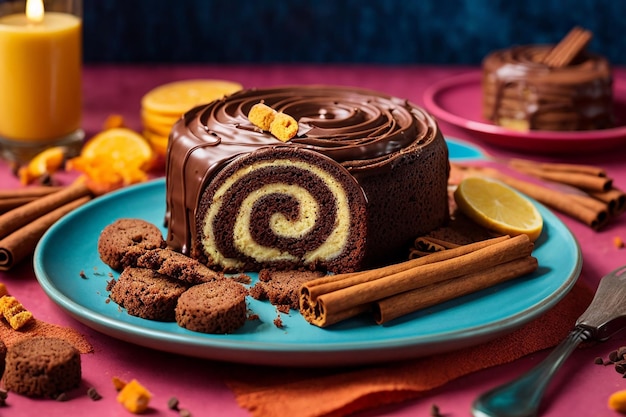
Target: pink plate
(457, 100)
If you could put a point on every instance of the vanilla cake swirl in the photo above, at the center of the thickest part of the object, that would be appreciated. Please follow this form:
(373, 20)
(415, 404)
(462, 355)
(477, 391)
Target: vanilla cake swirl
(365, 174)
(522, 93)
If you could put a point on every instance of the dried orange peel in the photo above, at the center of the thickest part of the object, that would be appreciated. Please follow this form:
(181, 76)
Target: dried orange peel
(113, 159)
(43, 164)
(134, 397)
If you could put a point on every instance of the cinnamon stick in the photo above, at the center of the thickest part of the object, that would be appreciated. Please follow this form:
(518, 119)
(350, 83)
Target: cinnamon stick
(14, 219)
(35, 191)
(330, 307)
(576, 179)
(10, 203)
(568, 48)
(331, 283)
(614, 198)
(555, 199)
(558, 166)
(425, 245)
(21, 243)
(399, 305)
(560, 201)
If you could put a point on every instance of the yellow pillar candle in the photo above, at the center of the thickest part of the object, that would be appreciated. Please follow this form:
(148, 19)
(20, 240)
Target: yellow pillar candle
(40, 76)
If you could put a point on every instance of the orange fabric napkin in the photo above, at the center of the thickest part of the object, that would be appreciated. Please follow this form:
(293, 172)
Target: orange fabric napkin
(338, 392)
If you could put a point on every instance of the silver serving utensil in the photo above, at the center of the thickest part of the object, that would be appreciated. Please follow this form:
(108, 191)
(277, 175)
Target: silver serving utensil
(605, 316)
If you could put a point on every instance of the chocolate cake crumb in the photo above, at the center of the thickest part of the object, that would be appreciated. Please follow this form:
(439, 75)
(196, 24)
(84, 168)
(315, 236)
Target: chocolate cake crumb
(278, 322)
(110, 285)
(242, 279)
(172, 403)
(83, 275)
(93, 394)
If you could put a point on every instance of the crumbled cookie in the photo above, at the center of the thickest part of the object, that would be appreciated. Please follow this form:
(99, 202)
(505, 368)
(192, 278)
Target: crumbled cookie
(282, 288)
(178, 266)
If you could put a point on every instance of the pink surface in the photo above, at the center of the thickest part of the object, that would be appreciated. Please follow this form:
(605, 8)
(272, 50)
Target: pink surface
(581, 388)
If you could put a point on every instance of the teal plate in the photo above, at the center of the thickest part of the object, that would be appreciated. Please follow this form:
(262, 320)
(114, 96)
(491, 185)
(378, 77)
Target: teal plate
(70, 246)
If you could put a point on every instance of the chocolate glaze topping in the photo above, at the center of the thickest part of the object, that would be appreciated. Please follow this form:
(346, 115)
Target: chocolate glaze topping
(362, 130)
(584, 87)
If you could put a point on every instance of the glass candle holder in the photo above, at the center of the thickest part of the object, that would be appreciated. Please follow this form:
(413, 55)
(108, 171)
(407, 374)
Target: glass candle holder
(40, 77)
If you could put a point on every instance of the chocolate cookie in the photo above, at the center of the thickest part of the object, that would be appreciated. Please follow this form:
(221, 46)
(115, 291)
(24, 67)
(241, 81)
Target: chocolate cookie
(3, 355)
(213, 307)
(125, 240)
(42, 367)
(147, 294)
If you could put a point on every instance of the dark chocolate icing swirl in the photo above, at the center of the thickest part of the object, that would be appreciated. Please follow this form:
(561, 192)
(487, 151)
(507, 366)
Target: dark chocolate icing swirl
(362, 130)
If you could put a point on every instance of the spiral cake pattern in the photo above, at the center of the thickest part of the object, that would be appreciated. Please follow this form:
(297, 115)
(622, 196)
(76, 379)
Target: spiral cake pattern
(364, 175)
(282, 207)
(523, 93)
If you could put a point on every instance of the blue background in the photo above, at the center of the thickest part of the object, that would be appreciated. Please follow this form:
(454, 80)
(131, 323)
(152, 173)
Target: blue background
(339, 31)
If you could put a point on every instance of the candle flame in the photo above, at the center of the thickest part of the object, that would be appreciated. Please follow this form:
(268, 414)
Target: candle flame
(34, 11)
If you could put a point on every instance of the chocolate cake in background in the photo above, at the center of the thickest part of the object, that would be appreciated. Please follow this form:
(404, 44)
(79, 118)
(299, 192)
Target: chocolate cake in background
(523, 93)
(365, 174)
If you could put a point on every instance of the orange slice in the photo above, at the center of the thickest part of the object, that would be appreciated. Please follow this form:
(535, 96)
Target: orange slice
(119, 145)
(152, 118)
(178, 97)
(498, 207)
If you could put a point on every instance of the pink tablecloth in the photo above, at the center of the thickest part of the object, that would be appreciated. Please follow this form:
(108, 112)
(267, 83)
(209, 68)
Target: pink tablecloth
(581, 388)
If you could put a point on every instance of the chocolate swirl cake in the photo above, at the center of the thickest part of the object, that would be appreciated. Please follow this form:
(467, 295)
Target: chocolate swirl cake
(364, 175)
(521, 92)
